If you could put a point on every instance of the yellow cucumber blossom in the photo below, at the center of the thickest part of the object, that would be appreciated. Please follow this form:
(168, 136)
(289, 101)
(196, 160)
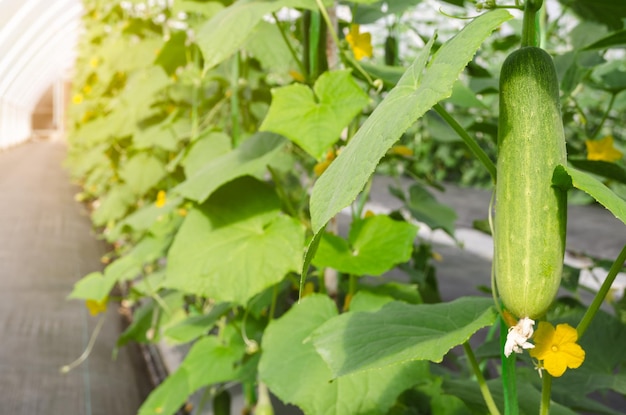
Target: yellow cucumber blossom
(97, 307)
(161, 199)
(556, 349)
(518, 335)
(603, 150)
(360, 43)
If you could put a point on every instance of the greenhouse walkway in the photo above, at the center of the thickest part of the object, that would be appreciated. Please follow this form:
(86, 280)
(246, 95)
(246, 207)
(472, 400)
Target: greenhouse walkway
(46, 245)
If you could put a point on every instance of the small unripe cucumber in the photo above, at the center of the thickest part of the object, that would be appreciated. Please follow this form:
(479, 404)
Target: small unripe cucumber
(531, 214)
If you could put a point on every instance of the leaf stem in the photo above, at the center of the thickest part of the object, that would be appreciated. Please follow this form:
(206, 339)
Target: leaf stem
(601, 295)
(333, 34)
(294, 55)
(546, 390)
(469, 141)
(234, 99)
(274, 300)
(482, 384)
(604, 116)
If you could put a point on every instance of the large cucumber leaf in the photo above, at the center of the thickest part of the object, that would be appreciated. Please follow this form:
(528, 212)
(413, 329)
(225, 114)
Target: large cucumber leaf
(250, 158)
(313, 119)
(209, 361)
(227, 31)
(287, 356)
(399, 333)
(567, 177)
(374, 246)
(417, 91)
(235, 245)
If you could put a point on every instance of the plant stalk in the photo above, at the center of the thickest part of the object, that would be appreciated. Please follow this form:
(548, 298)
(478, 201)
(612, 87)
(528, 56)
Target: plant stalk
(482, 384)
(234, 99)
(602, 292)
(546, 390)
(294, 55)
(333, 34)
(604, 116)
(509, 383)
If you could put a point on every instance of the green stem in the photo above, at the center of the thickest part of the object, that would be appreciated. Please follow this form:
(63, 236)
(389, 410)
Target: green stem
(362, 200)
(352, 282)
(314, 44)
(273, 305)
(509, 383)
(604, 116)
(333, 34)
(294, 55)
(546, 390)
(601, 295)
(469, 141)
(282, 192)
(529, 24)
(482, 384)
(234, 100)
(194, 100)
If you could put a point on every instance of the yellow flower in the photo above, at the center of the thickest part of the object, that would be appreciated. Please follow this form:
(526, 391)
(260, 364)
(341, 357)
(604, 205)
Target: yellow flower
(94, 62)
(87, 89)
(161, 199)
(309, 288)
(77, 99)
(97, 307)
(297, 76)
(557, 348)
(603, 150)
(400, 150)
(361, 43)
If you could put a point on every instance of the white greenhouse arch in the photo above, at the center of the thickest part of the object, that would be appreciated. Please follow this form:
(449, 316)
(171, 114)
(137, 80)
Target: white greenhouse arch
(37, 47)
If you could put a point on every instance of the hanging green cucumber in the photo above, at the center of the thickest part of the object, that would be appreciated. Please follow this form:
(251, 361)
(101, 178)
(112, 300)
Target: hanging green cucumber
(530, 216)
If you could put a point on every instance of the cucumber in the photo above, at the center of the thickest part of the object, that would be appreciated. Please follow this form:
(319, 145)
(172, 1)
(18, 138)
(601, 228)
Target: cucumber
(530, 214)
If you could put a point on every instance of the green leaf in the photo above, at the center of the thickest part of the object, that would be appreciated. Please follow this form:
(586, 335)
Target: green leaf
(203, 151)
(114, 205)
(94, 286)
(196, 326)
(155, 135)
(235, 245)
(227, 31)
(400, 332)
(566, 177)
(288, 356)
(468, 391)
(608, 12)
(613, 40)
(606, 169)
(267, 45)
(130, 265)
(209, 361)
(149, 318)
(250, 158)
(142, 172)
(425, 208)
(143, 218)
(374, 246)
(314, 119)
(371, 10)
(415, 94)
(165, 135)
(462, 96)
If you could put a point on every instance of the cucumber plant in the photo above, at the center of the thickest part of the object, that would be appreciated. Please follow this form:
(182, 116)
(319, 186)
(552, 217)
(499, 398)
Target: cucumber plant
(199, 164)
